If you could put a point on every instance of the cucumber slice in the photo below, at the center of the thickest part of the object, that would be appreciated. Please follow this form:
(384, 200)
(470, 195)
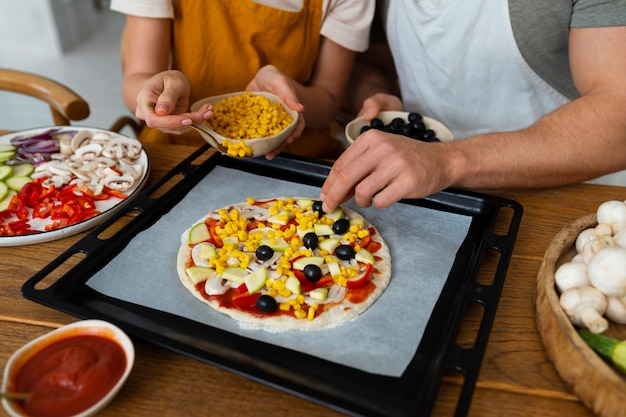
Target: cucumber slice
(6, 155)
(199, 273)
(17, 182)
(5, 172)
(335, 214)
(199, 233)
(365, 256)
(329, 244)
(256, 280)
(4, 203)
(293, 285)
(4, 190)
(234, 273)
(6, 148)
(300, 263)
(278, 244)
(22, 170)
(323, 229)
(319, 294)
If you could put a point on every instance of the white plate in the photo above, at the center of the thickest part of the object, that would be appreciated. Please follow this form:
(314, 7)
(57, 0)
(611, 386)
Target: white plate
(106, 207)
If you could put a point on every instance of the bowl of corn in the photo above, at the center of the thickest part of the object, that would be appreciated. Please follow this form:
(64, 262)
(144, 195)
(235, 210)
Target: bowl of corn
(247, 124)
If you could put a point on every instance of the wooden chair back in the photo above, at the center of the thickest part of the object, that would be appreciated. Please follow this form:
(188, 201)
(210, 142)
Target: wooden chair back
(65, 104)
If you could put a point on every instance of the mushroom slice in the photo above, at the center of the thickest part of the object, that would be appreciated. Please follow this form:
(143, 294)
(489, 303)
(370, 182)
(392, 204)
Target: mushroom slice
(101, 137)
(119, 182)
(254, 212)
(89, 151)
(80, 139)
(122, 147)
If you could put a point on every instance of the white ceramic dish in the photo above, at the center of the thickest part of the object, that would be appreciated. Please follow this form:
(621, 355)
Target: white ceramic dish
(260, 146)
(353, 129)
(106, 207)
(86, 327)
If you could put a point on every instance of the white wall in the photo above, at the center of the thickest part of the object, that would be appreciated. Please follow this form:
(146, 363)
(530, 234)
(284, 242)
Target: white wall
(47, 28)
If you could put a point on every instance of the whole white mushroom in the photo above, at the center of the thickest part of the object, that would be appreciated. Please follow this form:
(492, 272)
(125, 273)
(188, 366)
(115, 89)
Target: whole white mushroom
(607, 271)
(612, 212)
(571, 275)
(585, 306)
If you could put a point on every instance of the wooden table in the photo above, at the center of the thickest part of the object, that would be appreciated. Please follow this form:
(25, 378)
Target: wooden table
(516, 378)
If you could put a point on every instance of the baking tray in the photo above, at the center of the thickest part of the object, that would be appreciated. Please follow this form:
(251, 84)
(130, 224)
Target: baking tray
(343, 388)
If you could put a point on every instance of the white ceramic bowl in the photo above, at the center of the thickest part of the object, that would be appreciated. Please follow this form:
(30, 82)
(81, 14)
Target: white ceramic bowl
(260, 146)
(86, 327)
(353, 129)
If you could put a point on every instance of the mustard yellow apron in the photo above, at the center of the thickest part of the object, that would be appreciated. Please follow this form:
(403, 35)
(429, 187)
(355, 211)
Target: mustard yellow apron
(220, 45)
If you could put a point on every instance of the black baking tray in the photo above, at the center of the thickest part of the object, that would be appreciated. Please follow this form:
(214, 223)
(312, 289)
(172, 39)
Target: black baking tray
(342, 388)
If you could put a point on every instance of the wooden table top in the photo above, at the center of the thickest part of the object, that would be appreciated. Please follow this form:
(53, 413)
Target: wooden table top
(516, 378)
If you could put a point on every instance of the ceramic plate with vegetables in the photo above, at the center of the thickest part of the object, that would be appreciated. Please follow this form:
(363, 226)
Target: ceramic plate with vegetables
(62, 180)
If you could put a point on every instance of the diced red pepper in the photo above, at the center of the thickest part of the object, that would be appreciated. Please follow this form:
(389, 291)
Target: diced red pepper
(65, 206)
(212, 226)
(246, 300)
(241, 288)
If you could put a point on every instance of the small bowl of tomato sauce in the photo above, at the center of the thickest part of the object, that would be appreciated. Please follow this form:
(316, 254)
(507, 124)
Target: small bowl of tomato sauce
(73, 371)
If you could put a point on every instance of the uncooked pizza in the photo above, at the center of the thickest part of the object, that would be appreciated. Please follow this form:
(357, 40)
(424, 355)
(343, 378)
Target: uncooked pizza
(283, 264)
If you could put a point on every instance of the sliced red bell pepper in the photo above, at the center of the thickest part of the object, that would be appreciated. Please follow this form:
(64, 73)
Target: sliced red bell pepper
(246, 300)
(362, 279)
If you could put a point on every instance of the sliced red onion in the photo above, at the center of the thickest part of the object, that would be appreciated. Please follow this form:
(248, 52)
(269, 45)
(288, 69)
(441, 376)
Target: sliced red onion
(44, 146)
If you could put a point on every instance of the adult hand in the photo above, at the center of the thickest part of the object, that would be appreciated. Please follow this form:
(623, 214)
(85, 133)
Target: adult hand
(381, 168)
(271, 79)
(163, 103)
(373, 105)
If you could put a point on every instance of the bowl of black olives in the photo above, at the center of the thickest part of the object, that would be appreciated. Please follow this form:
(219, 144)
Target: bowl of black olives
(409, 124)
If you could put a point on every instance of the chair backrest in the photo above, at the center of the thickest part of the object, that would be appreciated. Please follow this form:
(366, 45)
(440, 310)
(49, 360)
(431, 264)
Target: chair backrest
(65, 104)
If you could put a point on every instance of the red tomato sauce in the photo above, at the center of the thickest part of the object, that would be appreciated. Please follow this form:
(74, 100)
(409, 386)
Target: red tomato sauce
(70, 375)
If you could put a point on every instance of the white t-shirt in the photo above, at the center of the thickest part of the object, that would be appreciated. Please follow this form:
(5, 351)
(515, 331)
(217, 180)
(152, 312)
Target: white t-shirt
(345, 22)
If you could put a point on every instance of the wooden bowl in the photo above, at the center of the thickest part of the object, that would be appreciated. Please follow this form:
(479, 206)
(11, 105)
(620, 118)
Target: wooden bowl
(598, 384)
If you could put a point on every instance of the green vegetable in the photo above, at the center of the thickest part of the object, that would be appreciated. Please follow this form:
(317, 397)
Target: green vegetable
(612, 350)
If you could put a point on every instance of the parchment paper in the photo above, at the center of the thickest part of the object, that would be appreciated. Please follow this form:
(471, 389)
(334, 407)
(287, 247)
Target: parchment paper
(383, 340)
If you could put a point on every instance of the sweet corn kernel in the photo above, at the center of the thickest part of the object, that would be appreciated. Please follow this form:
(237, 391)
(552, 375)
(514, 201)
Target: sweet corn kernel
(300, 314)
(284, 306)
(311, 314)
(284, 292)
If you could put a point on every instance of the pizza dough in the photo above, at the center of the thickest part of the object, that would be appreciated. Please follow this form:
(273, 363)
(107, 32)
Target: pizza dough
(277, 265)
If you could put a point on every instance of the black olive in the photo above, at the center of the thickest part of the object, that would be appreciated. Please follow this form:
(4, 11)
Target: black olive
(414, 116)
(407, 130)
(377, 124)
(310, 240)
(427, 135)
(364, 129)
(317, 206)
(418, 125)
(312, 272)
(264, 252)
(396, 125)
(341, 226)
(344, 252)
(266, 303)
